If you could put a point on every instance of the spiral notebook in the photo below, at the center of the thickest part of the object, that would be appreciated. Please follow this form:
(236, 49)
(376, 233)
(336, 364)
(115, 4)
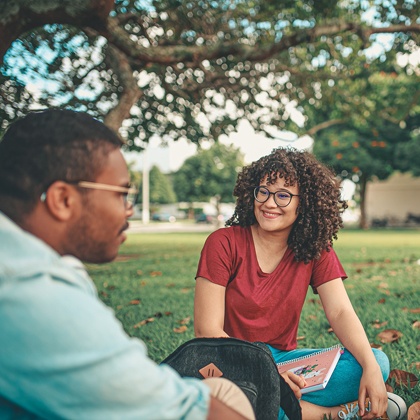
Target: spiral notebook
(316, 368)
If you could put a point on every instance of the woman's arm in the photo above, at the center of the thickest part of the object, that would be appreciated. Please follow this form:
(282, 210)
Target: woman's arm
(349, 330)
(209, 309)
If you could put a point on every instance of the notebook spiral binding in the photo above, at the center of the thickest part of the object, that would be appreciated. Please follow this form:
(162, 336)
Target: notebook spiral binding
(336, 346)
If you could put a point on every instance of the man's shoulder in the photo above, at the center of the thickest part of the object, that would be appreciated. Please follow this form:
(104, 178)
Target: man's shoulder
(20, 249)
(25, 257)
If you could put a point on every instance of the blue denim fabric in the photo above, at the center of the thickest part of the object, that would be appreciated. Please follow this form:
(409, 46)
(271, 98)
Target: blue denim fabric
(343, 385)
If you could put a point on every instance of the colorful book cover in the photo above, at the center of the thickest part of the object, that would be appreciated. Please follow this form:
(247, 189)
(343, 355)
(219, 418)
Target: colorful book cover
(316, 368)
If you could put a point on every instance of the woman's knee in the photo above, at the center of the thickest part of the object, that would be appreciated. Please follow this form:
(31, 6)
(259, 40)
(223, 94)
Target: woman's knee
(383, 362)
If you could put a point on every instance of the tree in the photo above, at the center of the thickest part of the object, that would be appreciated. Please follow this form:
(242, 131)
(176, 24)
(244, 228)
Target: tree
(160, 188)
(381, 137)
(193, 68)
(208, 174)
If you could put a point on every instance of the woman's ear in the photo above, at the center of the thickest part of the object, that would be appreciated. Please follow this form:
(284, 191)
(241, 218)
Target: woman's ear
(61, 200)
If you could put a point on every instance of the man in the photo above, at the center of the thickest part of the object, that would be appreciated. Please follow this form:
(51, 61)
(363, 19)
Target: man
(64, 197)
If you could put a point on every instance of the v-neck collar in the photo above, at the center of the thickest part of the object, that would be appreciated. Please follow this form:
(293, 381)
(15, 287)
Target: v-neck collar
(254, 256)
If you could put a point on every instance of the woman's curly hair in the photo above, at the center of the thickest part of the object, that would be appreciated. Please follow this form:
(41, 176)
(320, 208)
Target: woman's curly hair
(320, 204)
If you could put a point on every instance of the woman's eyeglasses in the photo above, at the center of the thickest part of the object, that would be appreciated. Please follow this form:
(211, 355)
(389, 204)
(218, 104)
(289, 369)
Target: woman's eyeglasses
(282, 198)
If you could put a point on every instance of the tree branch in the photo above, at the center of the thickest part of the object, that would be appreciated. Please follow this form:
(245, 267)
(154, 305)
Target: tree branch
(170, 54)
(394, 28)
(130, 92)
(23, 16)
(326, 124)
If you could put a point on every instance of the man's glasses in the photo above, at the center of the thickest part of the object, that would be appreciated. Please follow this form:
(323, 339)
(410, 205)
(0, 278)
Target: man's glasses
(129, 193)
(282, 198)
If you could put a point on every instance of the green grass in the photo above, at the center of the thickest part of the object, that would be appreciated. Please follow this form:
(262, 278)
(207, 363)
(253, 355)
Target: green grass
(153, 280)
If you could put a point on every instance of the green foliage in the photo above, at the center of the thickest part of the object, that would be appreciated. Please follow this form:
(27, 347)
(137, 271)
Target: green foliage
(371, 137)
(160, 188)
(376, 131)
(351, 153)
(154, 278)
(201, 66)
(209, 173)
(135, 176)
(406, 155)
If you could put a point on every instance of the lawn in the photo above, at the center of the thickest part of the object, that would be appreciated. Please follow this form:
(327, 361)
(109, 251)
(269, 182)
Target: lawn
(151, 289)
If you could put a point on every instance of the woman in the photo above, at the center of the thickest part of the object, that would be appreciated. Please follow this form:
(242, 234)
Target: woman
(253, 277)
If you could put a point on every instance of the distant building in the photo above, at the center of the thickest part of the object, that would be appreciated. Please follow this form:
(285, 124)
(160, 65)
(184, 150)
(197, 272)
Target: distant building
(393, 202)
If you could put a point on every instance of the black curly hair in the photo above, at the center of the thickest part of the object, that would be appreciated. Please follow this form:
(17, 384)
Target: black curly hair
(320, 204)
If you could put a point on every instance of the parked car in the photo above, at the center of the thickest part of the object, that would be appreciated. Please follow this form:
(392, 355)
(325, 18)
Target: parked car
(163, 217)
(207, 218)
(204, 218)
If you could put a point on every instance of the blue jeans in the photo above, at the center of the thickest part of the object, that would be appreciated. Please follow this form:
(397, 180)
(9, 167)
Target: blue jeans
(343, 386)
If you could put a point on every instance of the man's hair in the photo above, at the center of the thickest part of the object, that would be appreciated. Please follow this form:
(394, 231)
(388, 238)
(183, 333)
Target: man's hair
(320, 203)
(48, 146)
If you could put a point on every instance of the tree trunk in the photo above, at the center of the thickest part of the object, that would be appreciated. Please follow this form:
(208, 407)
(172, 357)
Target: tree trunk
(130, 94)
(363, 219)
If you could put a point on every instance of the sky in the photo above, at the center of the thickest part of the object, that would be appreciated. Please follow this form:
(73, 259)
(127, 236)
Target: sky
(251, 144)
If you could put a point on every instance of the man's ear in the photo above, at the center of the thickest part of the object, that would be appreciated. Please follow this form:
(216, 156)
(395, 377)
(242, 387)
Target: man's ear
(62, 200)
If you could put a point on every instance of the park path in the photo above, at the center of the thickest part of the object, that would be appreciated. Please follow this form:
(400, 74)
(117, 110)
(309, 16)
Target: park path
(137, 226)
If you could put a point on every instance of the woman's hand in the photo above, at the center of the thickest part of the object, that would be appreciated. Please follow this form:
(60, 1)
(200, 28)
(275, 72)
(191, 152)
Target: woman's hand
(295, 382)
(372, 385)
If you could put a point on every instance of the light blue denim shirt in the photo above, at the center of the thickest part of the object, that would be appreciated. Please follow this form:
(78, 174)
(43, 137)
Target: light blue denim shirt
(63, 354)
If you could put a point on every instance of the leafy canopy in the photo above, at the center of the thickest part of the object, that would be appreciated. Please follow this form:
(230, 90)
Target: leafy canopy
(160, 188)
(193, 68)
(208, 174)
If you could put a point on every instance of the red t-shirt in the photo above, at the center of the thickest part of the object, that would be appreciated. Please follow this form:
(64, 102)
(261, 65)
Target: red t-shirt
(262, 306)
